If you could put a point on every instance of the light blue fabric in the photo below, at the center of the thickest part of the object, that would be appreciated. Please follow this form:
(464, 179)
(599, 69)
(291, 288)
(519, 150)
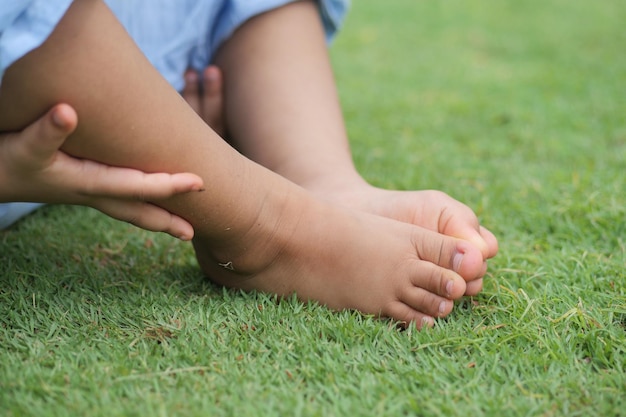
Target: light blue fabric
(24, 25)
(11, 212)
(173, 34)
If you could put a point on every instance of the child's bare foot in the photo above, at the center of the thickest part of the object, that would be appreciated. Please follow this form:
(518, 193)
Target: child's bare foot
(344, 259)
(432, 210)
(254, 229)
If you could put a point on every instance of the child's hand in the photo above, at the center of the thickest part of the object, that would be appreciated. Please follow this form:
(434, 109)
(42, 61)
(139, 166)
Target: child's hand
(32, 168)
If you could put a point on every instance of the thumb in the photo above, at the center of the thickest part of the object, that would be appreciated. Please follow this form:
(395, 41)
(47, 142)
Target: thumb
(43, 138)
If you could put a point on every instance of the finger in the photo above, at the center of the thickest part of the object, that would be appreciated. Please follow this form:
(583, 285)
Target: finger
(191, 92)
(146, 216)
(126, 183)
(213, 99)
(64, 117)
(42, 139)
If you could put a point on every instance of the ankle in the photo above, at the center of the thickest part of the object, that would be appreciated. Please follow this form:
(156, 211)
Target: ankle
(251, 247)
(326, 185)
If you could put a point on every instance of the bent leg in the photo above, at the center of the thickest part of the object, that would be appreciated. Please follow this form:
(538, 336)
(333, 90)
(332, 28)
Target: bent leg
(254, 229)
(282, 110)
(126, 110)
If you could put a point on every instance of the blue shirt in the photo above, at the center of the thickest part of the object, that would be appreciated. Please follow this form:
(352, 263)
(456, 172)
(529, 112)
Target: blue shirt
(173, 34)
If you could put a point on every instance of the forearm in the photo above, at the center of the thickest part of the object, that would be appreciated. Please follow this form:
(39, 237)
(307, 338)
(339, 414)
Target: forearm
(281, 102)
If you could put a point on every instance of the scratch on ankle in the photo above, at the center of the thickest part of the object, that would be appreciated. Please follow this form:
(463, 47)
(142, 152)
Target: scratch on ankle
(228, 265)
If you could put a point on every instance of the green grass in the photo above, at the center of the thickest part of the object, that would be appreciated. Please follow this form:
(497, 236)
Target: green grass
(517, 108)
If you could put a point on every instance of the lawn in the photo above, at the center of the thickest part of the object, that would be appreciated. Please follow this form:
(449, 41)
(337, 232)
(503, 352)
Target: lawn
(517, 108)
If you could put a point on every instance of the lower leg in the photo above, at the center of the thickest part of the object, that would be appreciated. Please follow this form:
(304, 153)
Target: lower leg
(283, 112)
(254, 229)
(125, 108)
(281, 105)
(203, 92)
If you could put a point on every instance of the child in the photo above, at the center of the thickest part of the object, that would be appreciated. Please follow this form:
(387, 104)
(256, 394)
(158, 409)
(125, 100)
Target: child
(331, 238)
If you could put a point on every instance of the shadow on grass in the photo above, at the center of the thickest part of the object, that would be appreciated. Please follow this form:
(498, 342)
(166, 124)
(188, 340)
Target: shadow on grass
(70, 251)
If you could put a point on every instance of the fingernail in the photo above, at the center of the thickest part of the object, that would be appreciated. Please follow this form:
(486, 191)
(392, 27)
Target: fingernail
(58, 120)
(457, 261)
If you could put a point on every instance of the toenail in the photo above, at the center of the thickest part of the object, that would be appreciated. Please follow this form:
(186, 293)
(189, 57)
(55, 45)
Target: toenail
(191, 77)
(443, 307)
(457, 260)
(449, 288)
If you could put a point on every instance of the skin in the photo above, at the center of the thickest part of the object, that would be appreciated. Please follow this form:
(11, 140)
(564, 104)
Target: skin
(205, 95)
(255, 229)
(32, 168)
(430, 209)
(282, 110)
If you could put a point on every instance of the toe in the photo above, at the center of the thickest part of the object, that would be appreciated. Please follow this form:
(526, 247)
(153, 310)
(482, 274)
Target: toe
(451, 253)
(491, 241)
(474, 287)
(406, 316)
(426, 302)
(191, 92)
(212, 100)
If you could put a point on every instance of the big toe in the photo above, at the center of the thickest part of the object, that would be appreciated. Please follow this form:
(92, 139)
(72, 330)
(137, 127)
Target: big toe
(458, 255)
